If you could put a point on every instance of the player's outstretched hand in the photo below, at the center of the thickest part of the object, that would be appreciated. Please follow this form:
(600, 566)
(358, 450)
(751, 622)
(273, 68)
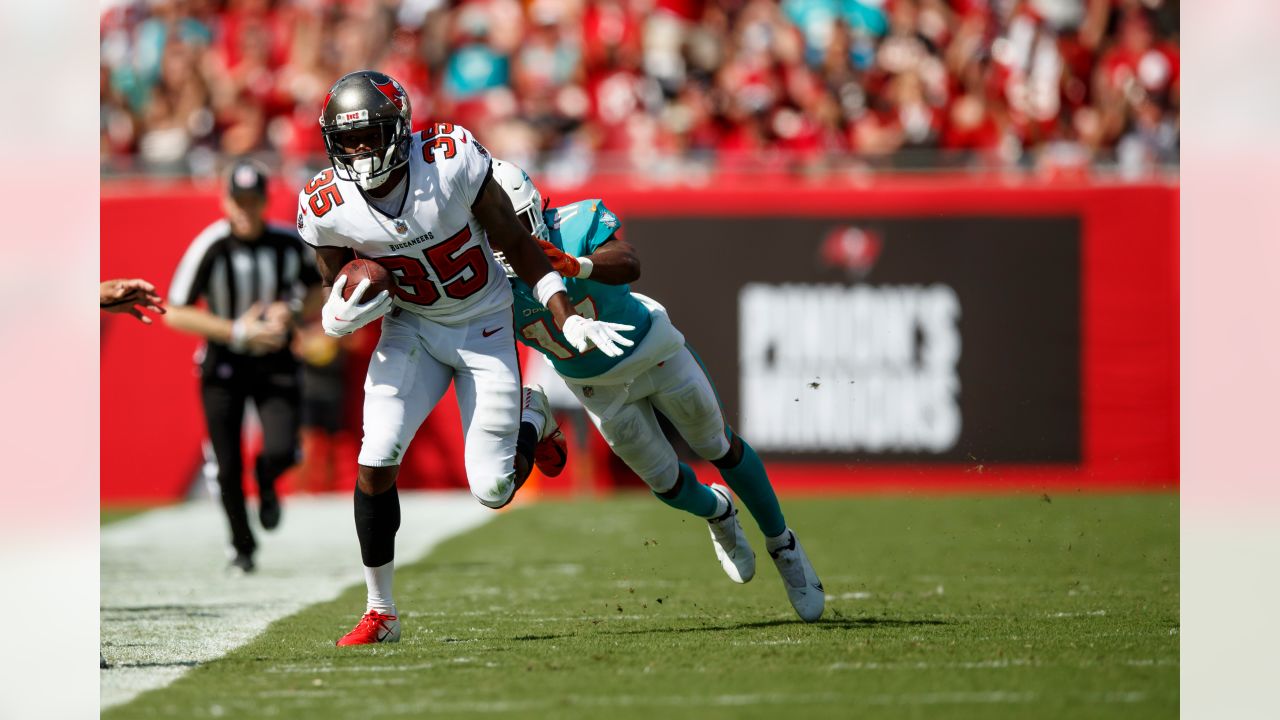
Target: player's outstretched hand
(583, 332)
(343, 317)
(561, 261)
(130, 296)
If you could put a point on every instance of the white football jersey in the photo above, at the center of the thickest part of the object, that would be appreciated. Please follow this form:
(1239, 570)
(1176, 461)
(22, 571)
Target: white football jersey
(436, 250)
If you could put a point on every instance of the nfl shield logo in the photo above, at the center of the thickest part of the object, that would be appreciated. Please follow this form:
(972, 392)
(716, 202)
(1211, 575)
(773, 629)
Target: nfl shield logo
(402, 227)
(588, 391)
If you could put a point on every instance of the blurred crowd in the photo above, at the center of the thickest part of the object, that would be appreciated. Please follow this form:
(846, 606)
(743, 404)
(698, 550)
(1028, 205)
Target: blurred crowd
(665, 87)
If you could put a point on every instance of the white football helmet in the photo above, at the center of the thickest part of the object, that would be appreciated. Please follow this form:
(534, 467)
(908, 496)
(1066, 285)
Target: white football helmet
(525, 198)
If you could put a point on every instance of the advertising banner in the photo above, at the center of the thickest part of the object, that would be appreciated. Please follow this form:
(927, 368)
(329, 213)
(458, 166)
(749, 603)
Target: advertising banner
(920, 340)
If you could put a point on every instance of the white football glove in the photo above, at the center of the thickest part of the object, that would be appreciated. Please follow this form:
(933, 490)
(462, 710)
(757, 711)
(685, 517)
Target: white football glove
(343, 317)
(583, 332)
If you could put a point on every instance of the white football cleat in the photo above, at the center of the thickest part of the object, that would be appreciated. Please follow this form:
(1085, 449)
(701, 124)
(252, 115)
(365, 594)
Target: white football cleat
(534, 398)
(804, 589)
(735, 554)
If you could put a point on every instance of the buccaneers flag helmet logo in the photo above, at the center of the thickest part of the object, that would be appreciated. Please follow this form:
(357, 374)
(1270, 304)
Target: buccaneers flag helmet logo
(391, 91)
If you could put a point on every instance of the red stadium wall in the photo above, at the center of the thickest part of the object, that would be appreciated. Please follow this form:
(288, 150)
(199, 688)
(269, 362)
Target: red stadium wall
(1128, 328)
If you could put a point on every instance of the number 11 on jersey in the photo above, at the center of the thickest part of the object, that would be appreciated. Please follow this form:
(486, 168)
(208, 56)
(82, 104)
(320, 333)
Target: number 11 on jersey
(540, 332)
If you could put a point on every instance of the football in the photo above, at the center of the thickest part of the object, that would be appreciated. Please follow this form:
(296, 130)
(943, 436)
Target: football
(361, 268)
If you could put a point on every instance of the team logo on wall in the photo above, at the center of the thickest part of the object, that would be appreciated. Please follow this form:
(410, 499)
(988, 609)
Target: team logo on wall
(851, 249)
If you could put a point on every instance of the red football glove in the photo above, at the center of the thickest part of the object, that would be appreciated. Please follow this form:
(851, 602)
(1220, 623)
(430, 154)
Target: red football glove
(562, 262)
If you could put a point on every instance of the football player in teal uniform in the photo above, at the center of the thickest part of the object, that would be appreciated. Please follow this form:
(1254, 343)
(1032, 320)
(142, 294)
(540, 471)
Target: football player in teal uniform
(659, 372)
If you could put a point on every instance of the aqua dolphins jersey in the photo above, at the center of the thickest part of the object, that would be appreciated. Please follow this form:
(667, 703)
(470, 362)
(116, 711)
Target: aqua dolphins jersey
(579, 229)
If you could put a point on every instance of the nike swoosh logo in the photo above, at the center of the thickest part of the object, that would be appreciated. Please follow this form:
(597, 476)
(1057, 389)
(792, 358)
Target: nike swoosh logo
(487, 333)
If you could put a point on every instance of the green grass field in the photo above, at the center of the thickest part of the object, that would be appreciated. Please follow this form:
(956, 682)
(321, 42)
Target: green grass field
(957, 607)
(108, 516)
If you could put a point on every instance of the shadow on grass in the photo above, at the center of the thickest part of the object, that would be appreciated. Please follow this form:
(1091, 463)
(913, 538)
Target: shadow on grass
(206, 611)
(827, 624)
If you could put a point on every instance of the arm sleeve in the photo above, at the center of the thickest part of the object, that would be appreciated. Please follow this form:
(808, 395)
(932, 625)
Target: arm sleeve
(312, 231)
(604, 226)
(306, 224)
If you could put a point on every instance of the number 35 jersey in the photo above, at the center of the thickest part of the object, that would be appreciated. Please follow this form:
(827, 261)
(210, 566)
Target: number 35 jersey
(435, 249)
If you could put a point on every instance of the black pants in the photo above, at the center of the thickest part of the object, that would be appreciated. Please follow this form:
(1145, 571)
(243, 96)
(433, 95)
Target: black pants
(227, 380)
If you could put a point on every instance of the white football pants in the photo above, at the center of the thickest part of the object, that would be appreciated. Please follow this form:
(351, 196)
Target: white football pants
(409, 373)
(624, 413)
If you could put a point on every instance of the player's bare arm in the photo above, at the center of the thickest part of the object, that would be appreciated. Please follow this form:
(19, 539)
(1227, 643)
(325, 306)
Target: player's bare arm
(613, 263)
(329, 261)
(493, 210)
(343, 315)
(130, 296)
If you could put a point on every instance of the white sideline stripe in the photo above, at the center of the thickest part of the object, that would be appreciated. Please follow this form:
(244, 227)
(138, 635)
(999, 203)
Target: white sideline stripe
(169, 604)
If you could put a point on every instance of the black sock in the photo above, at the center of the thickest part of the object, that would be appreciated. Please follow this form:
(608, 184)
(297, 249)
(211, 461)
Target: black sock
(377, 520)
(526, 441)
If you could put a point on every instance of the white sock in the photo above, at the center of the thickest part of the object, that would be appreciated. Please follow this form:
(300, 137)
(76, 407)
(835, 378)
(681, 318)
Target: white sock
(378, 580)
(534, 418)
(722, 506)
(778, 541)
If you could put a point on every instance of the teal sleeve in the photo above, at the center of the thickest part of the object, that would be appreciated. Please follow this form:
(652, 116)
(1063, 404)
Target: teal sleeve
(603, 226)
(582, 227)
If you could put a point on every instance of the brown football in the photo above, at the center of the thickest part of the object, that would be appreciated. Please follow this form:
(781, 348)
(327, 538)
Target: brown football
(359, 269)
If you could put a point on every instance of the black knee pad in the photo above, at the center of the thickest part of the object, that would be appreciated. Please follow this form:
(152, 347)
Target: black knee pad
(675, 489)
(732, 458)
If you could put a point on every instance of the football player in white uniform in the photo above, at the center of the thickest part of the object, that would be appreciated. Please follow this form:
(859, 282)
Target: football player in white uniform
(423, 206)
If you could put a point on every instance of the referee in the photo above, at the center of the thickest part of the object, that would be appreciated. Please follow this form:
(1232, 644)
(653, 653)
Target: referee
(239, 286)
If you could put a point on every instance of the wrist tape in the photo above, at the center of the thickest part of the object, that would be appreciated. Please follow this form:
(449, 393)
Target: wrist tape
(239, 334)
(549, 285)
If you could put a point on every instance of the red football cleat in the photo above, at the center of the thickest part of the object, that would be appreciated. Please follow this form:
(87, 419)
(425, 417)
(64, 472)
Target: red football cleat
(374, 627)
(551, 454)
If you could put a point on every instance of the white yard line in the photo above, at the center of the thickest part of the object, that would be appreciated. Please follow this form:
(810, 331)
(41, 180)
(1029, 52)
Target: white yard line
(168, 602)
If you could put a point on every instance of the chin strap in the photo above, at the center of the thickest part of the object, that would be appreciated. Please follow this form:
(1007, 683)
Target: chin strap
(372, 179)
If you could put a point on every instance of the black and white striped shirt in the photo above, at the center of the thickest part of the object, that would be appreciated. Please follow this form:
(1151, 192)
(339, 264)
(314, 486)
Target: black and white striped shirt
(232, 274)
